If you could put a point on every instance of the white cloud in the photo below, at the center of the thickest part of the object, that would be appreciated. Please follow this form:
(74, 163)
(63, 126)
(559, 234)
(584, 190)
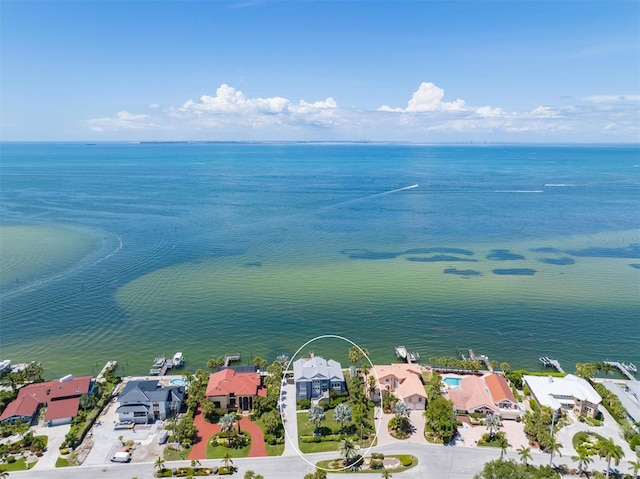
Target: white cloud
(611, 98)
(122, 121)
(428, 97)
(230, 114)
(544, 112)
(488, 111)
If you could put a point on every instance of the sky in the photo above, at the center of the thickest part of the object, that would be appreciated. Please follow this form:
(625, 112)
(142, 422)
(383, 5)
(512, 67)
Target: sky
(277, 70)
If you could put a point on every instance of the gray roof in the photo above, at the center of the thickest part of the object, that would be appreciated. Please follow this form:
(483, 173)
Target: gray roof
(317, 368)
(630, 403)
(634, 388)
(150, 391)
(133, 408)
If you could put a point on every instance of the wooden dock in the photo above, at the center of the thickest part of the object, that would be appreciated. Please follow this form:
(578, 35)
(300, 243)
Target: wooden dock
(482, 358)
(168, 364)
(550, 363)
(625, 369)
(231, 358)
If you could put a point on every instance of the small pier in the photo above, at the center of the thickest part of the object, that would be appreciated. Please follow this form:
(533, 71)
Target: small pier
(110, 366)
(482, 358)
(231, 358)
(627, 370)
(550, 363)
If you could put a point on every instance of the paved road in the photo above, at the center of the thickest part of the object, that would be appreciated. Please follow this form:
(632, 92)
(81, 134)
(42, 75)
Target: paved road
(436, 462)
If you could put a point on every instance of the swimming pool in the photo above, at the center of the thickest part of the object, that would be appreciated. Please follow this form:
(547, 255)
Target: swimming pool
(452, 382)
(178, 382)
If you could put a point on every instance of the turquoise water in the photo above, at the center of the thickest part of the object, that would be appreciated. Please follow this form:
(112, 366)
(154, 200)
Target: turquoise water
(129, 251)
(453, 382)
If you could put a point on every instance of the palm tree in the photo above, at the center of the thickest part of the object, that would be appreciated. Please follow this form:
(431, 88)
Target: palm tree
(372, 383)
(492, 422)
(554, 447)
(316, 415)
(610, 450)
(226, 424)
(226, 460)
(159, 464)
(504, 444)
(386, 474)
(635, 465)
(525, 455)
(354, 355)
(583, 458)
(195, 463)
(283, 361)
(348, 449)
(505, 367)
(342, 414)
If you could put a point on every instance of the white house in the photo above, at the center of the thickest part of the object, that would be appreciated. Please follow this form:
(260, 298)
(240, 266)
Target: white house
(569, 392)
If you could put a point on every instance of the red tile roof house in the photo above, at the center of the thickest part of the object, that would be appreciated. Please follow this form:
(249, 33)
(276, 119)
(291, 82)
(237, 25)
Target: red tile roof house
(61, 398)
(403, 380)
(228, 389)
(485, 394)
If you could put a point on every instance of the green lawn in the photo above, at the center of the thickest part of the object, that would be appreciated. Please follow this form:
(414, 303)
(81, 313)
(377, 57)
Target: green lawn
(219, 452)
(62, 462)
(171, 454)
(306, 428)
(20, 465)
(276, 450)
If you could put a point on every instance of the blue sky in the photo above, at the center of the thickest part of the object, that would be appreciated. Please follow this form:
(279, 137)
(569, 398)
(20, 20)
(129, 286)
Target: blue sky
(425, 71)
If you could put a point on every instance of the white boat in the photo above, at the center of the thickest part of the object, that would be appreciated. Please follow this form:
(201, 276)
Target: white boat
(178, 359)
(401, 352)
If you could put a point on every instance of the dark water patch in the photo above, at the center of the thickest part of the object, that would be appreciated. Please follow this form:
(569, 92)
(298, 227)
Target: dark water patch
(558, 261)
(437, 258)
(635, 265)
(631, 251)
(546, 249)
(462, 272)
(503, 255)
(253, 264)
(465, 252)
(367, 254)
(222, 251)
(515, 271)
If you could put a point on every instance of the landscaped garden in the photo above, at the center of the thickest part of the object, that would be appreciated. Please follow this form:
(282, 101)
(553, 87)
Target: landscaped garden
(375, 463)
(321, 431)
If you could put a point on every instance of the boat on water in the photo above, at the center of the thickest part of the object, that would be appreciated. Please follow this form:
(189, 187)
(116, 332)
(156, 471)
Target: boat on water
(158, 364)
(178, 360)
(414, 356)
(401, 352)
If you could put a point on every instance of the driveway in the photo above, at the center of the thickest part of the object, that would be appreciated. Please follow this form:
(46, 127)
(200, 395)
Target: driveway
(290, 419)
(55, 437)
(609, 428)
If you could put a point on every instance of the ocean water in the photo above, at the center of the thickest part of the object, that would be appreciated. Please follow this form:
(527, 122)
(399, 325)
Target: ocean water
(128, 251)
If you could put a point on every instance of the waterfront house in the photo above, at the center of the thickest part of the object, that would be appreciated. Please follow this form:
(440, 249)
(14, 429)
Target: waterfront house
(142, 402)
(315, 377)
(61, 398)
(402, 380)
(569, 392)
(487, 394)
(228, 389)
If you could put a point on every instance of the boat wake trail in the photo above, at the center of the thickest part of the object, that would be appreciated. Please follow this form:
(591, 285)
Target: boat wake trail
(410, 187)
